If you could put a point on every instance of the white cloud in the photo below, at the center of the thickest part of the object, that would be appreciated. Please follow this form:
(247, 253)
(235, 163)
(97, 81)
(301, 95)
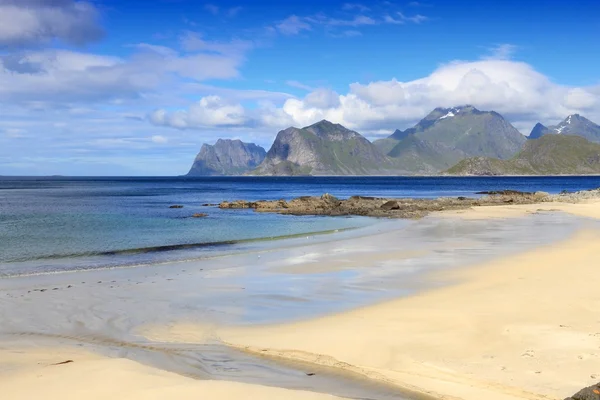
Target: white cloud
(46, 77)
(159, 139)
(293, 25)
(26, 22)
(210, 111)
(359, 20)
(503, 51)
(514, 89)
(299, 85)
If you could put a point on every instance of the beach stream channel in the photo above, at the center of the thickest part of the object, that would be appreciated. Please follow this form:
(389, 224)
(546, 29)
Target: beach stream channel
(117, 312)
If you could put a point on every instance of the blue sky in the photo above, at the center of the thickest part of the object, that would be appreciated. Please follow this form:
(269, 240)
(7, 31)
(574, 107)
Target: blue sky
(113, 87)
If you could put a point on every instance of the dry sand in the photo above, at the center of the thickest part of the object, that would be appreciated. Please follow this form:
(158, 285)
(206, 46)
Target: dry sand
(27, 374)
(523, 327)
(584, 208)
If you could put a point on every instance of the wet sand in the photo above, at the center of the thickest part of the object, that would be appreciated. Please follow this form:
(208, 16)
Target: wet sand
(298, 301)
(67, 374)
(521, 327)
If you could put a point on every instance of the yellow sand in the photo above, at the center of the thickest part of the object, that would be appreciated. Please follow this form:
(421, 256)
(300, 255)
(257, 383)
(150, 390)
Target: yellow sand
(586, 208)
(29, 374)
(524, 327)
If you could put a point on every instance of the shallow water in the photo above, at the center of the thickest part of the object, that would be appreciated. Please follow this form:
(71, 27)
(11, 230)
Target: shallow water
(58, 224)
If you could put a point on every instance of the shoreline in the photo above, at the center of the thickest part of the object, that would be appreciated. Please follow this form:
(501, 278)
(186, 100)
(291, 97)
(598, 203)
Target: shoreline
(302, 262)
(440, 378)
(302, 340)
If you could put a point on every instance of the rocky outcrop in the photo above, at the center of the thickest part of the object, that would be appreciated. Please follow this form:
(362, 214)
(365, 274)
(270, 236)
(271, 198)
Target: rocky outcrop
(383, 207)
(227, 157)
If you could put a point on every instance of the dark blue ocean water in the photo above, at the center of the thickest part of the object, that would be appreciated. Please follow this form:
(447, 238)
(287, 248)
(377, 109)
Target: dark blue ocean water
(55, 223)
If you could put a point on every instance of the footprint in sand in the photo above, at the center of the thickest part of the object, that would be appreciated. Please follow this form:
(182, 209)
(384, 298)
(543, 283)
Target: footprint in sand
(528, 353)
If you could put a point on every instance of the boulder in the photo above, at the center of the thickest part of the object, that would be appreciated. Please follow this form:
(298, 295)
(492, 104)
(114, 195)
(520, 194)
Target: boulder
(176, 206)
(199, 215)
(390, 205)
(588, 393)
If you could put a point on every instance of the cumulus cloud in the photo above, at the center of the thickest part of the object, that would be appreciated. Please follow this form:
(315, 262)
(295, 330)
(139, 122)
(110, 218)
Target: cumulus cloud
(59, 76)
(210, 111)
(514, 89)
(33, 22)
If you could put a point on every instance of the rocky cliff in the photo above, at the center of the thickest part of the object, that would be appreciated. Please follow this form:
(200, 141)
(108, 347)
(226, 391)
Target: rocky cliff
(227, 157)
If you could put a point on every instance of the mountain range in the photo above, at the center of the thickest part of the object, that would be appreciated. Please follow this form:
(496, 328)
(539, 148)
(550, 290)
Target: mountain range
(459, 140)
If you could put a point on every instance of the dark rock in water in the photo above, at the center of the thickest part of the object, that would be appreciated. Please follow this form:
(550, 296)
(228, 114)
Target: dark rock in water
(199, 215)
(588, 393)
(390, 205)
(176, 206)
(209, 205)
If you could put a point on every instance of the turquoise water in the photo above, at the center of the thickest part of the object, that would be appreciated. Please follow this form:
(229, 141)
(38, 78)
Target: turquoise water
(57, 224)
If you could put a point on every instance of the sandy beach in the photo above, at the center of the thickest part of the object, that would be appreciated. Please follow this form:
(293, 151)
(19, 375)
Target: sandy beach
(31, 373)
(520, 326)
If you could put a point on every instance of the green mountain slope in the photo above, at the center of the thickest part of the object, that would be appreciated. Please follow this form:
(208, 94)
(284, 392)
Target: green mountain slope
(548, 155)
(323, 148)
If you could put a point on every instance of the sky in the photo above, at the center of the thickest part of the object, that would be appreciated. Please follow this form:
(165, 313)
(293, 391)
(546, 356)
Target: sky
(118, 87)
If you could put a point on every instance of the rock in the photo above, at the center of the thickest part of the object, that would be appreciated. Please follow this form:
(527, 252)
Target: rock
(588, 393)
(209, 205)
(390, 205)
(199, 215)
(237, 204)
(176, 206)
(328, 198)
(399, 208)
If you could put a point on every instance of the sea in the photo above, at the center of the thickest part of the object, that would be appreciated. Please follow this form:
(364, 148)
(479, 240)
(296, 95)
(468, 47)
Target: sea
(61, 224)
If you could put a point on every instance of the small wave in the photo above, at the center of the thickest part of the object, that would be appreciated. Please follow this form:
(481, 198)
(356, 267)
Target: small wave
(149, 250)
